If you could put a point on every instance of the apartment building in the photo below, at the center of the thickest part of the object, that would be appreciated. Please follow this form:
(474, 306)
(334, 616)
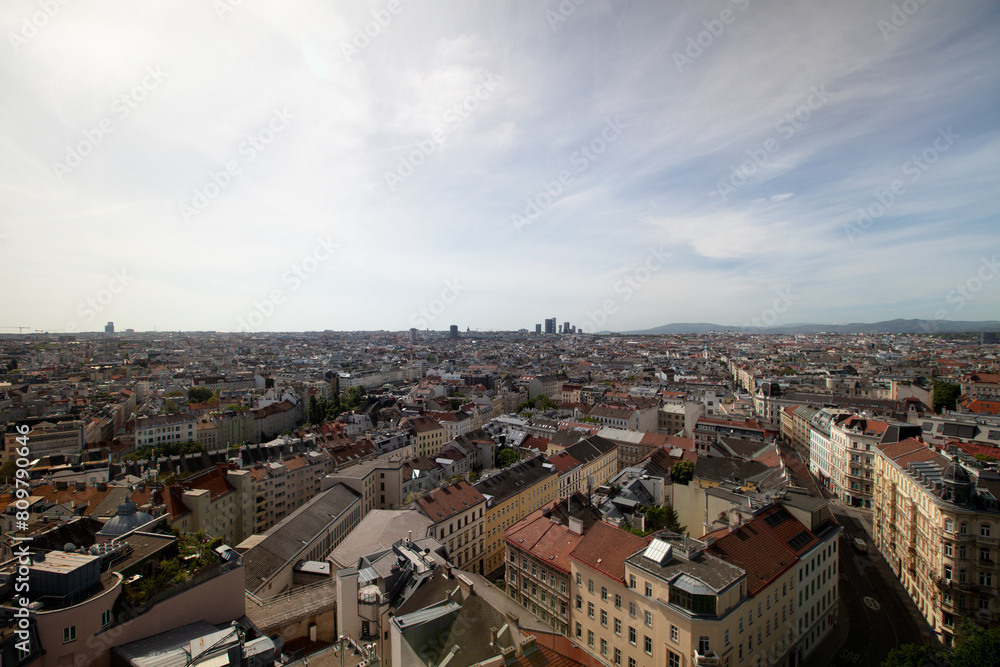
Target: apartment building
(234, 427)
(537, 554)
(153, 431)
(937, 523)
(282, 486)
(379, 483)
(590, 462)
(727, 600)
(511, 495)
(826, 461)
(855, 438)
(46, 438)
(981, 385)
(219, 500)
(458, 513)
(427, 435)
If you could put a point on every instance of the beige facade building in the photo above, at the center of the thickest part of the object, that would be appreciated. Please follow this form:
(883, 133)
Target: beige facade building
(744, 596)
(511, 495)
(459, 515)
(937, 523)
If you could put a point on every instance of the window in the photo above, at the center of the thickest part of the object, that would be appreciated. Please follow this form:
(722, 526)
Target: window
(590, 637)
(704, 645)
(649, 619)
(618, 657)
(631, 581)
(631, 662)
(106, 618)
(675, 634)
(69, 634)
(579, 630)
(604, 647)
(604, 618)
(604, 594)
(579, 579)
(984, 603)
(543, 576)
(590, 586)
(590, 609)
(618, 601)
(947, 572)
(647, 645)
(963, 528)
(649, 590)
(618, 627)
(947, 549)
(984, 530)
(631, 635)
(579, 601)
(985, 579)
(673, 660)
(562, 586)
(741, 625)
(949, 525)
(631, 609)
(725, 639)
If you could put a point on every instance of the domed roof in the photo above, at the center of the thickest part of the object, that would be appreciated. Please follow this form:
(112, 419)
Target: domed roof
(953, 473)
(128, 519)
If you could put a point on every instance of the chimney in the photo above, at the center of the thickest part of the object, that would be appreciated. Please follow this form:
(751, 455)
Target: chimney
(575, 525)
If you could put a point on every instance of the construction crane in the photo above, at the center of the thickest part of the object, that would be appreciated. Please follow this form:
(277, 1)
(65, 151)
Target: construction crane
(19, 329)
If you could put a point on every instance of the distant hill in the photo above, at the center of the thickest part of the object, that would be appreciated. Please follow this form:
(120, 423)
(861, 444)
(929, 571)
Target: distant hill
(898, 326)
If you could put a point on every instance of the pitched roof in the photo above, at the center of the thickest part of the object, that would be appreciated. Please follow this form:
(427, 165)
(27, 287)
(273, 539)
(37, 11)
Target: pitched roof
(754, 549)
(604, 548)
(442, 504)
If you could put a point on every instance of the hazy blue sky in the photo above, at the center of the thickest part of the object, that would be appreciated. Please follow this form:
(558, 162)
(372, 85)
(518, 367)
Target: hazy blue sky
(620, 165)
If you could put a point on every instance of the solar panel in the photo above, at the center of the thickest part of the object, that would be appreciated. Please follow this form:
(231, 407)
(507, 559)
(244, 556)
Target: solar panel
(658, 551)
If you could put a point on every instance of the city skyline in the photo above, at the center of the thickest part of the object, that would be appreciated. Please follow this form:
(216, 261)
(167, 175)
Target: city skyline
(323, 166)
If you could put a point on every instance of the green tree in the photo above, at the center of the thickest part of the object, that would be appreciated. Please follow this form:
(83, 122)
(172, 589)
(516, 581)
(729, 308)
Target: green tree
(975, 647)
(682, 472)
(589, 420)
(945, 395)
(7, 472)
(908, 655)
(199, 394)
(507, 456)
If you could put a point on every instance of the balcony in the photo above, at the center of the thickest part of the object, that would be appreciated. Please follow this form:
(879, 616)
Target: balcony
(709, 659)
(988, 564)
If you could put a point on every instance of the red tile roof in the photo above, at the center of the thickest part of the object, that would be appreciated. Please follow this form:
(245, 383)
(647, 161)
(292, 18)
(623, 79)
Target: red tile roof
(442, 504)
(752, 547)
(544, 539)
(563, 462)
(604, 548)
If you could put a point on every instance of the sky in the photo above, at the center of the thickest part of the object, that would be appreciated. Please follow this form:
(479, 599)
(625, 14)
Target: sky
(248, 165)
